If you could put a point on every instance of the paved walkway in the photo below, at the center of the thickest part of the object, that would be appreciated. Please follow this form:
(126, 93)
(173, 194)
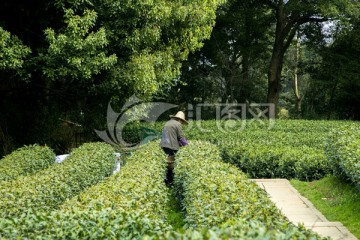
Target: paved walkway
(300, 210)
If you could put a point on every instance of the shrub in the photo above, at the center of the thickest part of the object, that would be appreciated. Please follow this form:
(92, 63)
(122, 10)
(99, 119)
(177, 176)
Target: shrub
(263, 161)
(25, 161)
(216, 193)
(343, 152)
(128, 205)
(44, 191)
(81, 224)
(243, 229)
(139, 186)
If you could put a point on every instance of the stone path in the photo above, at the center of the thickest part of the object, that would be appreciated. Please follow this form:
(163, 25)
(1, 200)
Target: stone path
(300, 210)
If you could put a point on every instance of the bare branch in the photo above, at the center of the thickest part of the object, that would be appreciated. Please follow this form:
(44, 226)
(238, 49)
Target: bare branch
(312, 19)
(290, 37)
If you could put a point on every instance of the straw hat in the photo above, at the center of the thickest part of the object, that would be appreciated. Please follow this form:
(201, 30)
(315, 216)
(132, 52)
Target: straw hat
(179, 115)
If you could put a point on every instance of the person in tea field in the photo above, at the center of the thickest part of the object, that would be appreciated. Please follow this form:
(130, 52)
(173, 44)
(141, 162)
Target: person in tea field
(172, 139)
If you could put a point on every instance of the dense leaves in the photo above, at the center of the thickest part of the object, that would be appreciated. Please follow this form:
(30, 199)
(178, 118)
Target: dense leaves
(25, 161)
(215, 193)
(220, 203)
(46, 190)
(138, 188)
(87, 53)
(343, 152)
(128, 205)
(12, 51)
(81, 224)
(290, 149)
(77, 53)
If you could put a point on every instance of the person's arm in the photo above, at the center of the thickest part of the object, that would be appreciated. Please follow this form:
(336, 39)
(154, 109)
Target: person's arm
(181, 137)
(183, 142)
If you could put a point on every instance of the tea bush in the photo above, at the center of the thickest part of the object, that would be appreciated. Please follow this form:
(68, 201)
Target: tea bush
(216, 193)
(46, 190)
(220, 203)
(243, 229)
(25, 161)
(290, 149)
(343, 152)
(138, 187)
(128, 205)
(81, 224)
(264, 161)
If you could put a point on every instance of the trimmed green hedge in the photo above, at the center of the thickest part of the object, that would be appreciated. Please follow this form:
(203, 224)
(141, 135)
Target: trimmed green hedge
(46, 190)
(291, 149)
(243, 229)
(264, 161)
(139, 186)
(128, 205)
(343, 152)
(81, 224)
(216, 193)
(25, 161)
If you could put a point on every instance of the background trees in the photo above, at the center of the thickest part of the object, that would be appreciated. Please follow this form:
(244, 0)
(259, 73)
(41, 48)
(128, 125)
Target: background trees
(234, 60)
(86, 53)
(67, 59)
(290, 17)
(335, 88)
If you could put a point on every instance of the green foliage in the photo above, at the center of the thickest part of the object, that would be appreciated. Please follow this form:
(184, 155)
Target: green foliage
(104, 50)
(336, 87)
(216, 193)
(336, 198)
(283, 114)
(81, 224)
(175, 214)
(343, 152)
(12, 51)
(25, 161)
(242, 229)
(294, 16)
(291, 149)
(184, 24)
(46, 190)
(264, 161)
(139, 186)
(128, 205)
(232, 63)
(150, 38)
(77, 53)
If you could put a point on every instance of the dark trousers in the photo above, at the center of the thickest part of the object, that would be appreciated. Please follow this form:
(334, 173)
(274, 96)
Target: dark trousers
(171, 164)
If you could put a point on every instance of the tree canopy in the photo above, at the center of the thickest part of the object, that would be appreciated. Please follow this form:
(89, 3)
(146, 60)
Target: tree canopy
(68, 59)
(62, 62)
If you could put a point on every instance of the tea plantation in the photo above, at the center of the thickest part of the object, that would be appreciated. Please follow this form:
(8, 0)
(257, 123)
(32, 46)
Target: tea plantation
(80, 198)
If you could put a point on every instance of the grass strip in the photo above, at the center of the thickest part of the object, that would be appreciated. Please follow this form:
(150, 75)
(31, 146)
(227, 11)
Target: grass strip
(175, 214)
(336, 198)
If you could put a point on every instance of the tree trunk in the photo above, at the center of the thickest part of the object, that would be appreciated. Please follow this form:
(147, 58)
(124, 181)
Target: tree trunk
(274, 75)
(276, 63)
(296, 83)
(245, 75)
